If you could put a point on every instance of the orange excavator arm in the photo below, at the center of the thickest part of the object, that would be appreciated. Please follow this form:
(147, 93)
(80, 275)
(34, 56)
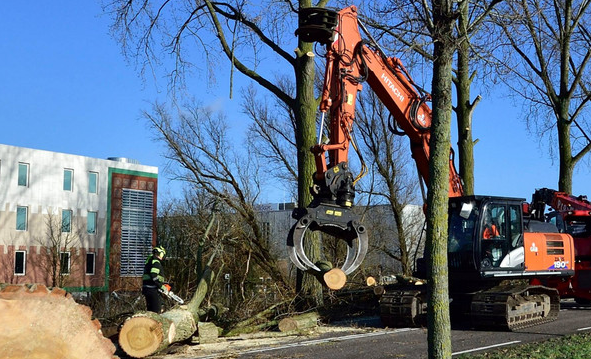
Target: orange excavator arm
(351, 61)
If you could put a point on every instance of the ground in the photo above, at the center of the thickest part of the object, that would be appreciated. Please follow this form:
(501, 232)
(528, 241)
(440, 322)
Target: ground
(230, 347)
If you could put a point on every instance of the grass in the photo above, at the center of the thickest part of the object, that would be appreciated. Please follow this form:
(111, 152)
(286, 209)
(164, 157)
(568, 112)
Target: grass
(577, 346)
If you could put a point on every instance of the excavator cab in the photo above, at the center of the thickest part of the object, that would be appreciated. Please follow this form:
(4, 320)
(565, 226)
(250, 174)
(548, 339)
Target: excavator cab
(488, 236)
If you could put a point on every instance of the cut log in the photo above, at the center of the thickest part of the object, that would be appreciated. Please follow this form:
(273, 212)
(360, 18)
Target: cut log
(333, 278)
(41, 322)
(370, 281)
(260, 321)
(146, 333)
(299, 323)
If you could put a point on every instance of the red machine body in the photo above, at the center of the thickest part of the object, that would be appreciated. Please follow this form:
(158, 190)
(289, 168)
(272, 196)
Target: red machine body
(572, 215)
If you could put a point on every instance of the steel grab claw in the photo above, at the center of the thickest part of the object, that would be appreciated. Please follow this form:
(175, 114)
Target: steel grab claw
(342, 225)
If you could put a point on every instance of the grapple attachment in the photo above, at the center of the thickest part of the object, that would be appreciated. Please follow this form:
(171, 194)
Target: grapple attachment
(336, 221)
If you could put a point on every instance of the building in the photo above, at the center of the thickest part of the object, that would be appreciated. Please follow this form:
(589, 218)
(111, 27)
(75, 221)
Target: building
(82, 223)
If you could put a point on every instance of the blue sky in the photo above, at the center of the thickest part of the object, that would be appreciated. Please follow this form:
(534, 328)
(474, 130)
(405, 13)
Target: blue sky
(66, 87)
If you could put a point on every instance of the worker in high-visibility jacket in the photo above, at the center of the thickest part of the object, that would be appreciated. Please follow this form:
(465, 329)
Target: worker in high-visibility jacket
(153, 280)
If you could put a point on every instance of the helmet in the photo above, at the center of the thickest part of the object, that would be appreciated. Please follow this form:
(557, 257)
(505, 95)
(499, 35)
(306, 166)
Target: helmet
(159, 251)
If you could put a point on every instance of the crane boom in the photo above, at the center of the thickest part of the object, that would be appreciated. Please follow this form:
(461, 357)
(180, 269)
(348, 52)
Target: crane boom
(351, 61)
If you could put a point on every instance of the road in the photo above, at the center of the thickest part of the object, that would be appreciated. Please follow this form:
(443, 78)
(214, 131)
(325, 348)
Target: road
(408, 342)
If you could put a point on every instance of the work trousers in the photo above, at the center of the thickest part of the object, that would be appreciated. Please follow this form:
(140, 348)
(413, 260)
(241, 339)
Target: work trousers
(153, 302)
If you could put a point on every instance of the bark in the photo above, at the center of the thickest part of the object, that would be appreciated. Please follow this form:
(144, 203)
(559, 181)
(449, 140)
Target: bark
(251, 329)
(202, 289)
(439, 333)
(567, 165)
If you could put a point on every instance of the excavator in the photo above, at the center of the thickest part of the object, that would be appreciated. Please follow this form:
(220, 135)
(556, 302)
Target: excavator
(492, 250)
(570, 214)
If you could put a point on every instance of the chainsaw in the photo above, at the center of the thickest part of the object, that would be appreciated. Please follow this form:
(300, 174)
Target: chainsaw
(171, 295)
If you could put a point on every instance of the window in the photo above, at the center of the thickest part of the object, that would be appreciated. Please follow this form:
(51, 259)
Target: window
(136, 230)
(65, 263)
(68, 179)
(266, 230)
(20, 260)
(90, 262)
(91, 223)
(21, 218)
(92, 182)
(23, 174)
(66, 221)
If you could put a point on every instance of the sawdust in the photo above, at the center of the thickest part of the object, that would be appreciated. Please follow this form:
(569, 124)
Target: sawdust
(233, 346)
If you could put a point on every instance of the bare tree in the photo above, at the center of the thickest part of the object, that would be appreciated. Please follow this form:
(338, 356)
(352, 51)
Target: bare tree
(548, 53)
(403, 27)
(394, 182)
(199, 141)
(59, 241)
(271, 137)
(250, 37)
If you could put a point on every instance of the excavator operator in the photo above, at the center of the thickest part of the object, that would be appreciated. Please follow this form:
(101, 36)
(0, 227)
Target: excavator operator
(490, 229)
(154, 280)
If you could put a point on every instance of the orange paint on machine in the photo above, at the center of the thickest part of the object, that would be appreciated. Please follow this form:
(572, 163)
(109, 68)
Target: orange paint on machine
(548, 252)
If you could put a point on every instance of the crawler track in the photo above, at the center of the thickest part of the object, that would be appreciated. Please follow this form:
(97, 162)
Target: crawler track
(509, 307)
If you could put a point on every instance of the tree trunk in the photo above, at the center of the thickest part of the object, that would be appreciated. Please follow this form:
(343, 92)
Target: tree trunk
(305, 112)
(439, 331)
(565, 176)
(464, 108)
(146, 333)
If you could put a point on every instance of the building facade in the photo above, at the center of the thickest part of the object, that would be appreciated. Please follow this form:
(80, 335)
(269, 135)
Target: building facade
(77, 222)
